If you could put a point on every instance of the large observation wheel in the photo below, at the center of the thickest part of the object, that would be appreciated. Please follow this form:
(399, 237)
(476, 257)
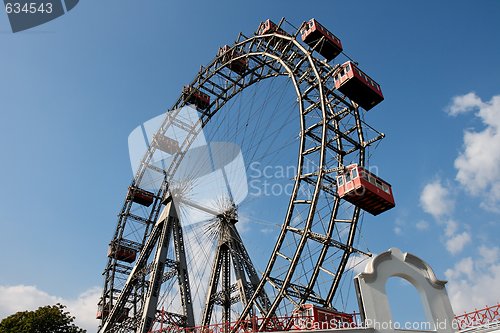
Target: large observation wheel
(185, 270)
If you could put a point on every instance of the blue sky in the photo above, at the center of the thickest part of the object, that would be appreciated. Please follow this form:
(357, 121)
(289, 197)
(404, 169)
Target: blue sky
(72, 90)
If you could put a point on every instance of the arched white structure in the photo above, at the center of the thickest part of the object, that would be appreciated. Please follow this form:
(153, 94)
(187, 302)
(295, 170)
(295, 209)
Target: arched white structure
(373, 300)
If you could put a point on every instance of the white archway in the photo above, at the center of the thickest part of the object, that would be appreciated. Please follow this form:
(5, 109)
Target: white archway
(372, 296)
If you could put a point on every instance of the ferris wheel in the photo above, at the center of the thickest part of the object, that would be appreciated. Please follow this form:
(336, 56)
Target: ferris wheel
(246, 200)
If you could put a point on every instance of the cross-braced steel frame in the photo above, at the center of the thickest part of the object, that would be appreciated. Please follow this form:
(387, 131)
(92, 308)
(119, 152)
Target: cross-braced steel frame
(230, 249)
(331, 132)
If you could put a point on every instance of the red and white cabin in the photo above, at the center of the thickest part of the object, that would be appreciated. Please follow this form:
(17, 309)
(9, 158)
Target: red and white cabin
(166, 144)
(191, 95)
(268, 27)
(140, 196)
(229, 56)
(311, 33)
(122, 253)
(365, 190)
(104, 310)
(311, 317)
(358, 86)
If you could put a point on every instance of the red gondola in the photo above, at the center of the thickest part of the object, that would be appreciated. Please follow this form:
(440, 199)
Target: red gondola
(311, 317)
(192, 95)
(239, 65)
(103, 312)
(268, 27)
(329, 47)
(358, 86)
(166, 144)
(122, 253)
(140, 196)
(365, 190)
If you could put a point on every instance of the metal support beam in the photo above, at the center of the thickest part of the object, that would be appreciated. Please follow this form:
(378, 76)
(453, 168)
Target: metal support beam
(153, 293)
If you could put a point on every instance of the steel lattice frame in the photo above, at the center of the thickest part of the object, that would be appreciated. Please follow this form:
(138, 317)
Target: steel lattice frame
(331, 131)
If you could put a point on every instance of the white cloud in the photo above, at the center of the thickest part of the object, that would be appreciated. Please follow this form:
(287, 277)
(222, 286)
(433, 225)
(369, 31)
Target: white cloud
(357, 263)
(436, 199)
(422, 225)
(21, 298)
(473, 283)
(267, 231)
(84, 308)
(400, 225)
(489, 255)
(463, 104)
(398, 231)
(478, 165)
(451, 228)
(456, 243)
(473, 280)
(464, 267)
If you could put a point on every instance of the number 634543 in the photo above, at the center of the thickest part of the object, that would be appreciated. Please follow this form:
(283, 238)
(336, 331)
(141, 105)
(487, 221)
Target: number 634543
(28, 8)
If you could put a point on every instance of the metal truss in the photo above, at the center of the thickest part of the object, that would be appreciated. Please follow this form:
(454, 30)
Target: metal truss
(230, 249)
(166, 229)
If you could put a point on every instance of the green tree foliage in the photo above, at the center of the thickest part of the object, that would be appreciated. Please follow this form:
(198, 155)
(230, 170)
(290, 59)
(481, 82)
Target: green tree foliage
(47, 319)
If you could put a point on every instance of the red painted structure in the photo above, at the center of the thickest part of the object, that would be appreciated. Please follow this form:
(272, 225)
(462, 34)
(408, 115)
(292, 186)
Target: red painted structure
(299, 320)
(140, 196)
(122, 253)
(192, 95)
(477, 318)
(311, 317)
(365, 190)
(252, 325)
(488, 315)
(313, 31)
(358, 86)
(104, 310)
(166, 144)
(230, 56)
(268, 27)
